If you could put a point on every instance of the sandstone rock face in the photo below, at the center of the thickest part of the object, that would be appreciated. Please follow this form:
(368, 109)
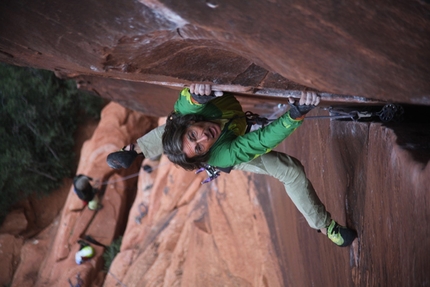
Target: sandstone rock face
(361, 49)
(48, 259)
(29, 219)
(241, 229)
(10, 250)
(196, 235)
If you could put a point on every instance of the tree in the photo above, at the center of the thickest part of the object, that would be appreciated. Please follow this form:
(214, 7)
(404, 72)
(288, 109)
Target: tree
(38, 116)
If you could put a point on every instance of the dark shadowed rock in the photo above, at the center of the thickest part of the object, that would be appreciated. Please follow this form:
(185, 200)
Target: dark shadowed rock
(361, 49)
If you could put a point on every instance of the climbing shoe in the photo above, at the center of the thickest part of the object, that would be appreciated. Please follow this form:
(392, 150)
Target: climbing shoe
(122, 159)
(340, 235)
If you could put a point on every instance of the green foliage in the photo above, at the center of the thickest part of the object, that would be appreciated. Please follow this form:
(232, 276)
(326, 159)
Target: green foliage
(38, 116)
(111, 251)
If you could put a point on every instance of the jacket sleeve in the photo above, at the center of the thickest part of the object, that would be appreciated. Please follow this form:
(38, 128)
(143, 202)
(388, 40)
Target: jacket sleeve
(186, 104)
(251, 145)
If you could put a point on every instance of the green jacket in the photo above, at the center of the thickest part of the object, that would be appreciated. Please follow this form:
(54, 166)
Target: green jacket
(234, 146)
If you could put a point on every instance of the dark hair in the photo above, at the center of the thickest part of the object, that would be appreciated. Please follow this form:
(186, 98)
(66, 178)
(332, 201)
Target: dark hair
(176, 125)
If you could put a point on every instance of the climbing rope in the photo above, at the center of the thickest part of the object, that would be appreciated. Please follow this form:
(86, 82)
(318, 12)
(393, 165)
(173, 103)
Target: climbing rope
(117, 280)
(121, 179)
(133, 175)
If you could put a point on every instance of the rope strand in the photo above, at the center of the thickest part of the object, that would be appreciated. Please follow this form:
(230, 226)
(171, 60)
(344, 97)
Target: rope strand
(131, 175)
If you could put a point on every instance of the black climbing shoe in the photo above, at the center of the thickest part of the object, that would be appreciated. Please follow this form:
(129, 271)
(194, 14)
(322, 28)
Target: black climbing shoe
(340, 235)
(122, 159)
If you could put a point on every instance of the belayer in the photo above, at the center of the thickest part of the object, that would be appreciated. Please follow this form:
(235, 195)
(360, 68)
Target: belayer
(206, 130)
(86, 192)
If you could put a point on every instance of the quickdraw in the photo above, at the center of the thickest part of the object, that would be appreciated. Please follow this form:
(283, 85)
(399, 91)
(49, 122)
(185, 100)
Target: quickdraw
(212, 172)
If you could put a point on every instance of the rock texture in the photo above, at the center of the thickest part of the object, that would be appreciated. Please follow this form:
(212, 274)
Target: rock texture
(47, 259)
(242, 229)
(362, 49)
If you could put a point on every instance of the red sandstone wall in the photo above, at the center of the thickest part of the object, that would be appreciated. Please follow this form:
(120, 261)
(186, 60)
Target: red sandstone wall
(363, 49)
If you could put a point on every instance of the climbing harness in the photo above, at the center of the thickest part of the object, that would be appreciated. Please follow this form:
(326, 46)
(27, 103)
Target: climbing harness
(214, 172)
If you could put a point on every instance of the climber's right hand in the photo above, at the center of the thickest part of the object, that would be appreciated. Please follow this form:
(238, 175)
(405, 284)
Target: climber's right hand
(308, 101)
(201, 89)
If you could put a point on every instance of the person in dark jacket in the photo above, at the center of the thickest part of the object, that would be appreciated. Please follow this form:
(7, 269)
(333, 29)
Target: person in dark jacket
(86, 192)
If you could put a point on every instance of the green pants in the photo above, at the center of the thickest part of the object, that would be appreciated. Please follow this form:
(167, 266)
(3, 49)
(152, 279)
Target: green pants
(288, 170)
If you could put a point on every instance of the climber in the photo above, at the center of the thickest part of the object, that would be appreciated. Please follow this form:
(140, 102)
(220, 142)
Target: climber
(85, 252)
(85, 191)
(213, 133)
